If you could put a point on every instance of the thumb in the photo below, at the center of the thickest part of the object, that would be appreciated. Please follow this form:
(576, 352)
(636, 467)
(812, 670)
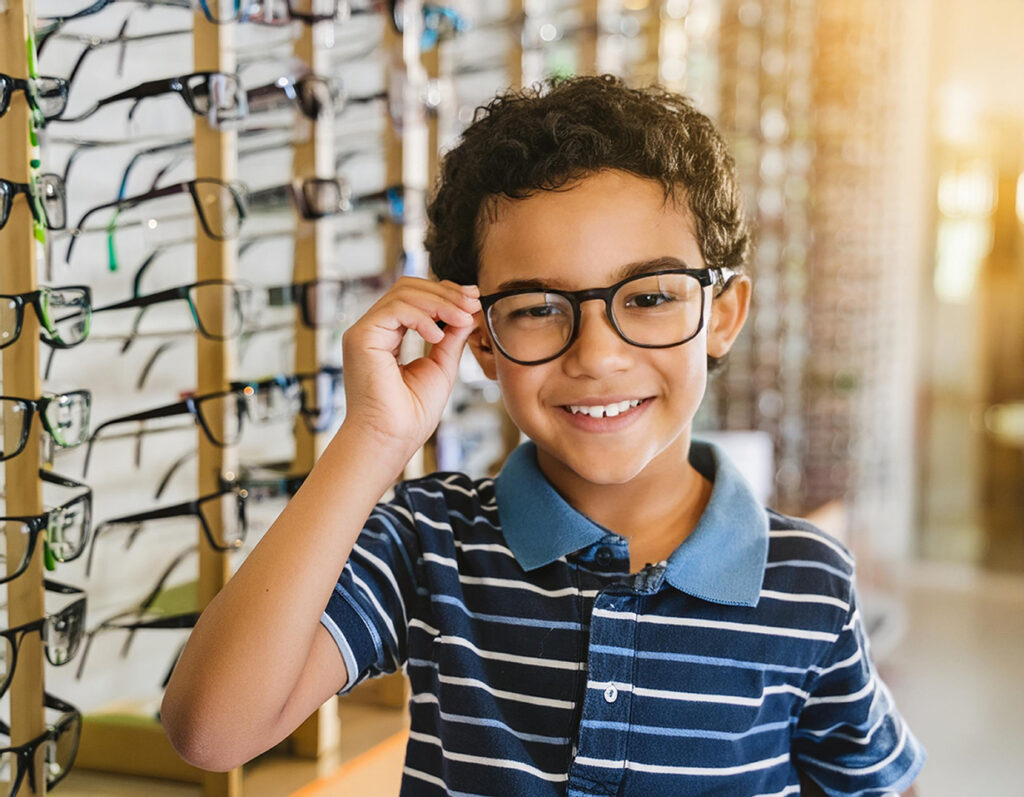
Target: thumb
(447, 353)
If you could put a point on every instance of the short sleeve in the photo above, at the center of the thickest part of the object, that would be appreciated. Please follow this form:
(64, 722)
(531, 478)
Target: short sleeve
(849, 737)
(369, 610)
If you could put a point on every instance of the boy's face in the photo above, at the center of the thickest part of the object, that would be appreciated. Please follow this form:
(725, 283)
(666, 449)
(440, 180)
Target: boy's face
(583, 238)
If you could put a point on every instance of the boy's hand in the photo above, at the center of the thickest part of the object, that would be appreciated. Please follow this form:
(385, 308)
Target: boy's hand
(401, 405)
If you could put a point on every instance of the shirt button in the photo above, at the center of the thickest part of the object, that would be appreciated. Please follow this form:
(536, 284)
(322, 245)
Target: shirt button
(603, 557)
(611, 693)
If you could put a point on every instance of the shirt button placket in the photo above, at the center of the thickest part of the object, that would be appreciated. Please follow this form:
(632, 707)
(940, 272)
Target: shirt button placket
(611, 674)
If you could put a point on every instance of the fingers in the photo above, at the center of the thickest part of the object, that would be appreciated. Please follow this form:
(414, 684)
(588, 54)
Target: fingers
(418, 304)
(447, 352)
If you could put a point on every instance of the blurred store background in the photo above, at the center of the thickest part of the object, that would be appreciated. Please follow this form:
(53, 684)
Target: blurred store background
(878, 386)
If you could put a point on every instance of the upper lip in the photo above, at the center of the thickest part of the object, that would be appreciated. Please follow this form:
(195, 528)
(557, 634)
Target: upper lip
(592, 401)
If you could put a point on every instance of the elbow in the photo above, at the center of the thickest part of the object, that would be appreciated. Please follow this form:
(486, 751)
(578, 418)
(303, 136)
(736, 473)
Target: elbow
(197, 740)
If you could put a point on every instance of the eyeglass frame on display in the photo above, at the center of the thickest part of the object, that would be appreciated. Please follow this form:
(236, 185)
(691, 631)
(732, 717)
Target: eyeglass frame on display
(26, 752)
(40, 406)
(34, 298)
(182, 509)
(41, 522)
(36, 202)
(237, 190)
(76, 610)
(190, 405)
(53, 25)
(706, 277)
(9, 85)
(217, 116)
(138, 611)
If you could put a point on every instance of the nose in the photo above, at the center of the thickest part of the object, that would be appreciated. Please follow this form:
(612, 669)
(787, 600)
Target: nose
(598, 350)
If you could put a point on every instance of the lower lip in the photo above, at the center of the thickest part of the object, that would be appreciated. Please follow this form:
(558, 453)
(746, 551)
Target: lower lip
(606, 424)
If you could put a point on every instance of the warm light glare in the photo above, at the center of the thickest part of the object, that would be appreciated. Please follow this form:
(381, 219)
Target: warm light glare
(967, 193)
(961, 246)
(958, 114)
(1020, 198)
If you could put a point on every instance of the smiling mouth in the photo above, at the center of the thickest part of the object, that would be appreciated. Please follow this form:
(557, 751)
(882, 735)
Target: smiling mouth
(604, 410)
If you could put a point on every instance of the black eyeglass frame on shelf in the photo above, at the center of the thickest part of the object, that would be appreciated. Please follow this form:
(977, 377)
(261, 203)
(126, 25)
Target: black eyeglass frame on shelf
(40, 406)
(72, 614)
(39, 301)
(25, 753)
(192, 188)
(50, 210)
(37, 524)
(706, 277)
(183, 509)
(190, 405)
(34, 88)
(196, 89)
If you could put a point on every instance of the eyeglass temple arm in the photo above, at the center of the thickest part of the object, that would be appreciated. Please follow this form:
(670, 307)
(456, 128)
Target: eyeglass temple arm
(122, 204)
(176, 510)
(123, 187)
(159, 297)
(148, 366)
(268, 197)
(178, 408)
(62, 481)
(174, 468)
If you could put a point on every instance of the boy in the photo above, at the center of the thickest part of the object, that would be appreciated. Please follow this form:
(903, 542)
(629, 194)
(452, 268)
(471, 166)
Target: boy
(614, 614)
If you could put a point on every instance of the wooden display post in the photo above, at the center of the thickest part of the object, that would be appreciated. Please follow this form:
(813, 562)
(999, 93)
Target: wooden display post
(105, 736)
(216, 154)
(21, 378)
(312, 157)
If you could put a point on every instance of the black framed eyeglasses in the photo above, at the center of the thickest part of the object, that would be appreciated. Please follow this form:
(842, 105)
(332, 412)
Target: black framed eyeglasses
(46, 195)
(64, 313)
(223, 510)
(221, 207)
(219, 96)
(46, 95)
(66, 526)
(314, 197)
(52, 752)
(219, 308)
(654, 310)
(65, 418)
(219, 414)
(61, 634)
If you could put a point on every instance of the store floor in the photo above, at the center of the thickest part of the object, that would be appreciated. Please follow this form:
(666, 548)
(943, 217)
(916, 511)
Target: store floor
(956, 673)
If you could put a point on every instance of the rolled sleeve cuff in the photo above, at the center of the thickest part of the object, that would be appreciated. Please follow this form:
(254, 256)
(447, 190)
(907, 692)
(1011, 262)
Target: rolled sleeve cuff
(348, 628)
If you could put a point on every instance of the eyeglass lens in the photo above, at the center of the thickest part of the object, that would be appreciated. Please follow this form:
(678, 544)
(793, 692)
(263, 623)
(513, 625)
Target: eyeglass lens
(14, 555)
(56, 755)
(50, 95)
(224, 516)
(15, 417)
(67, 418)
(222, 416)
(67, 314)
(49, 189)
(651, 310)
(218, 207)
(219, 308)
(11, 316)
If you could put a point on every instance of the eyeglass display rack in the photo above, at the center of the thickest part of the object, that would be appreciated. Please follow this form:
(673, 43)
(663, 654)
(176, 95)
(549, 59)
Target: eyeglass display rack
(21, 377)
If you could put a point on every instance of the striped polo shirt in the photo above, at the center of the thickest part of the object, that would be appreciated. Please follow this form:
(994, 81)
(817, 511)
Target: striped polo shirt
(540, 665)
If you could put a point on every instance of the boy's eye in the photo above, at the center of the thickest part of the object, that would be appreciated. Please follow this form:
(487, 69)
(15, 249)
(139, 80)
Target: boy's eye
(646, 300)
(538, 311)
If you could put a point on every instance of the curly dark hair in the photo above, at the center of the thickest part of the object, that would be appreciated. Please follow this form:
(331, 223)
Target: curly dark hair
(543, 137)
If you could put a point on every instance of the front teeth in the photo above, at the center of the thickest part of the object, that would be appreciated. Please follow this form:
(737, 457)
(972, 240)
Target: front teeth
(610, 410)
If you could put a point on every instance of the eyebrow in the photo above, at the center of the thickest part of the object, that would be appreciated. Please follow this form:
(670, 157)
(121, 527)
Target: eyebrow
(624, 272)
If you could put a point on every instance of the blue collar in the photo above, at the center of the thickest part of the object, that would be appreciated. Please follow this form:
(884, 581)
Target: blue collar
(722, 560)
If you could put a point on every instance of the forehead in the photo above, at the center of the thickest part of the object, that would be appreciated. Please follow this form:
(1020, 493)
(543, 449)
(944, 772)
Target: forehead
(583, 234)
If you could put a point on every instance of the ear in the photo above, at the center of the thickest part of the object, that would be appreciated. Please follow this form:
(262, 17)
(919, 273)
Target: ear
(728, 313)
(483, 349)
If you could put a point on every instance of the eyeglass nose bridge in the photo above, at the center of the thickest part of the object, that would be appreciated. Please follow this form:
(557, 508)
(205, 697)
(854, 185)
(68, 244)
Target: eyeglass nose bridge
(577, 298)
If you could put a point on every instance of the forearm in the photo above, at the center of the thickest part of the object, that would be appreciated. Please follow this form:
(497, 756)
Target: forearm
(246, 654)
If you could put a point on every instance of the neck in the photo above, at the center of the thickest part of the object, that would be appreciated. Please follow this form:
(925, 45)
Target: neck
(655, 510)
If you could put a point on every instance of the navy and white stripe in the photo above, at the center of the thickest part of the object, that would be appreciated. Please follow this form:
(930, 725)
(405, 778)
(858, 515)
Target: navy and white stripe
(540, 666)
